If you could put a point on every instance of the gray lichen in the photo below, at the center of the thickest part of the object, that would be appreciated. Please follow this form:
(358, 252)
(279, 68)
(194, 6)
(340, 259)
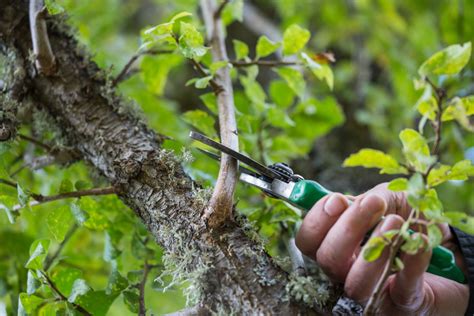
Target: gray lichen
(310, 290)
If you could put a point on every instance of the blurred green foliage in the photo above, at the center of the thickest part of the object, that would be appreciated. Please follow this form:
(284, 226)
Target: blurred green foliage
(378, 44)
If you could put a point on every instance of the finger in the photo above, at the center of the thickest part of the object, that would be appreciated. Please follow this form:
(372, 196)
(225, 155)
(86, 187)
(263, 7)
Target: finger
(318, 221)
(396, 201)
(407, 287)
(363, 275)
(336, 253)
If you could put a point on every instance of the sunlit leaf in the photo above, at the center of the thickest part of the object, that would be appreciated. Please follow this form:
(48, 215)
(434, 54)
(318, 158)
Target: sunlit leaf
(241, 49)
(59, 220)
(435, 237)
(30, 302)
(373, 248)
(64, 278)
(294, 79)
(416, 149)
(400, 184)
(191, 42)
(461, 220)
(372, 158)
(294, 39)
(265, 47)
(53, 7)
(321, 71)
(448, 61)
(38, 252)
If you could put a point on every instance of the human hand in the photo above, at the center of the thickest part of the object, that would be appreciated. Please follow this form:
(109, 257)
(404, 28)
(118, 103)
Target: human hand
(332, 232)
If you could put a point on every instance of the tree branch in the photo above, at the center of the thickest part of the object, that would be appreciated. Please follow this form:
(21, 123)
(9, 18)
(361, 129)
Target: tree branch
(218, 13)
(264, 63)
(220, 206)
(125, 70)
(141, 289)
(62, 297)
(35, 141)
(40, 199)
(45, 60)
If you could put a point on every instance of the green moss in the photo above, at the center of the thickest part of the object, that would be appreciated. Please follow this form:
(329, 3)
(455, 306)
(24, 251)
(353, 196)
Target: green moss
(310, 290)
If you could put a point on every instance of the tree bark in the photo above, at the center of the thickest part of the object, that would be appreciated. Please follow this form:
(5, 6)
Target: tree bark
(230, 270)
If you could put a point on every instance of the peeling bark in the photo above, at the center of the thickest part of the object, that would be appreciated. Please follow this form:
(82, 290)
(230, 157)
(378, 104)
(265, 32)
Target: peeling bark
(231, 271)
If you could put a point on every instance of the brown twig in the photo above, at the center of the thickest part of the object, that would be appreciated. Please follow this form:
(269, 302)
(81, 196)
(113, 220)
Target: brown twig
(220, 206)
(202, 72)
(62, 297)
(40, 199)
(264, 63)
(126, 69)
(218, 12)
(440, 96)
(141, 289)
(45, 60)
(35, 141)
(50, 259)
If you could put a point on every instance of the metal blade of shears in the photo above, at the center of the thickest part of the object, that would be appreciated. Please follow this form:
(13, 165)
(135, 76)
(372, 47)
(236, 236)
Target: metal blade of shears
(235, 154)
(214, 156)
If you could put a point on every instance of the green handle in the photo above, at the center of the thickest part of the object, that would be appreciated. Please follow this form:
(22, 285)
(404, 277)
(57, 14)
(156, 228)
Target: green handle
(307, 192)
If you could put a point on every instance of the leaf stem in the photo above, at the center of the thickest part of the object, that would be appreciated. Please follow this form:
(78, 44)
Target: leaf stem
(55, 289)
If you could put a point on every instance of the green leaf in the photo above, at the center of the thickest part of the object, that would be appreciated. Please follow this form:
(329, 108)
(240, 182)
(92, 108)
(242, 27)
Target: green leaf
(112, 239)
(155, 70)
(427, 104)
(294, 79)
(7, 203)
(448, 61)
(79, 288)
(372, 158)
(53, 7)
(374, 248)
(462, 170)
(416, 150)
(400, 184)
(180, 16)
(131, 298)
(23, 196)
(233, 11)
(191, 42)
(38, 252)
(210, 101)
(32, 283)
(203, 82)
(64, 278)
(279, 118)
(89, 214)
(59, 221)
(265, 47)
(254, 91)
(161, 33)
(281, 94)
(460, 109)
(79, 215)
(82, 185)
(241, 49)
(435, 236)
(117, 283)
(412, 244)
(398, 265)
(461, 221)
(201, 120)
(30, 302)
(96, 302)
(215, 66)
(321, 71)
(65, 186)
(294, 39)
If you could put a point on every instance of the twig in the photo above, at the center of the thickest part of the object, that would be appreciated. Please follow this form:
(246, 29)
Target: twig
(35, 141)
(50, 260)
(202, 72)
(372, 304)
(265, 63)
(45, 60)
(220, 206)
(40, 199)
(141, 289)
(126, 69)
(218, 13)
(55, 289)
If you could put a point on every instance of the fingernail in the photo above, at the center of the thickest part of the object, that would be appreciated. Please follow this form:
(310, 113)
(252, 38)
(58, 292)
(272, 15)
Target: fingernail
(372, 204)
(335, 205)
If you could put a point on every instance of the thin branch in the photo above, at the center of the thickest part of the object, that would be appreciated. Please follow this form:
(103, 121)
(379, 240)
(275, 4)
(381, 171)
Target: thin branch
(202, 72)
(218, 13)
(40, 199)
(55, 289)
(141, 289)
(265, 63)
(45, 60)
(35, 141)
(126, 69)
(374, 300)
(221, 204)
(440, 96)
(50, 259)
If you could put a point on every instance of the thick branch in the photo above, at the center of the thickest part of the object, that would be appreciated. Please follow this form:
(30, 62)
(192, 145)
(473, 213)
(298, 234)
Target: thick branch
(45, 60)
(221, 203)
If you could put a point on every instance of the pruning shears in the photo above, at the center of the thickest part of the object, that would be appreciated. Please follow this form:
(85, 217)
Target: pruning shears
(280, 182)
